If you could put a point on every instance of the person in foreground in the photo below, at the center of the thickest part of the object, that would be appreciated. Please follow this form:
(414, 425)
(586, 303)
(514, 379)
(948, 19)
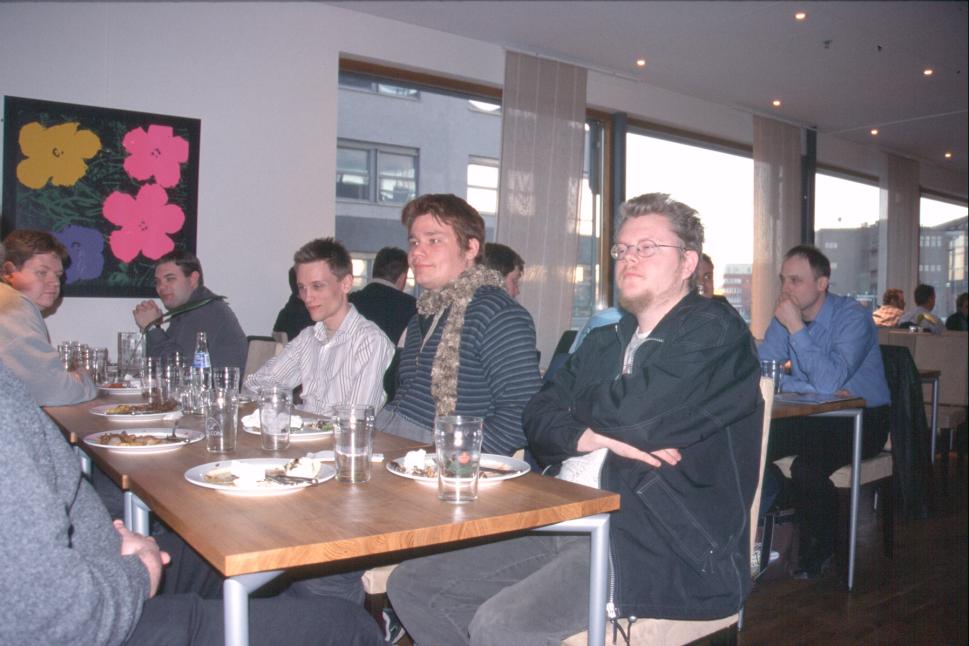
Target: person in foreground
(668, 399)
(471, 349)
(921, 315)
(31, 272)
(194, 308)
(341, 359)
(71, 576)
(832, 344)
(384, 300)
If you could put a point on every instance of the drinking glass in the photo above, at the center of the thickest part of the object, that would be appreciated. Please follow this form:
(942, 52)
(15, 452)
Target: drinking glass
(98, 365)
(227, 378)
(353, 442)
(221, 410)
(275, 407)
(130, 353)
(170, 382)
(773, 369)
(151, 380)
(457, 439)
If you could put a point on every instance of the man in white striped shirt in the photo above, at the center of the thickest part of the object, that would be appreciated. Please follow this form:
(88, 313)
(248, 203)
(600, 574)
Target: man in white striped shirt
(343, 357)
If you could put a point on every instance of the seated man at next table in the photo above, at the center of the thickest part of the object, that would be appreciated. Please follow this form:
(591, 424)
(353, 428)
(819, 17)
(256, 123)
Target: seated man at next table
(506, 262)
(832, 344)
(471, 349)
(32, 271)
(384, 300)
(959, 320)
(893, 306)
(71, 576)
(921, 315)
(293, 318)
(343, 356)
(180, 285)
(669, 402)
(705, 279)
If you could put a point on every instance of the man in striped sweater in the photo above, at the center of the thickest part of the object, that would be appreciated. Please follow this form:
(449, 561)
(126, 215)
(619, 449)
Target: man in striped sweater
(471, 348)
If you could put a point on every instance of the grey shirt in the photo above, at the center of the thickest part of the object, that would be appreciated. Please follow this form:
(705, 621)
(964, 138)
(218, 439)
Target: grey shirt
(62, 577)
(227, 342)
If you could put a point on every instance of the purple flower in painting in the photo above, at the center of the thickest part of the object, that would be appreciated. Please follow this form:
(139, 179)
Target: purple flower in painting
(86, 247)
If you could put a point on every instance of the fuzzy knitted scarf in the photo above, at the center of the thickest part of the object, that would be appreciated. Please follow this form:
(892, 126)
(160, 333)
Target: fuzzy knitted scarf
(455, 295)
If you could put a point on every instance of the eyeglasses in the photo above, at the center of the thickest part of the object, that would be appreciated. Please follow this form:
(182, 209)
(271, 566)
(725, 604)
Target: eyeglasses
(644, 250)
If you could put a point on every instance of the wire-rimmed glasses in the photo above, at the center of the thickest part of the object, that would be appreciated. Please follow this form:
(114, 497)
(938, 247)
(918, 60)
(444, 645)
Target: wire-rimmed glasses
(619, 250)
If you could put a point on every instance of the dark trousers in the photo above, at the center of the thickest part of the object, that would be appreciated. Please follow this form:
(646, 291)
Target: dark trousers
(822, 446)
(187, 611)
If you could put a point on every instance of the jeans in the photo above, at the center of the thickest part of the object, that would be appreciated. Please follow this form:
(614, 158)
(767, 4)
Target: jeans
(525, 591)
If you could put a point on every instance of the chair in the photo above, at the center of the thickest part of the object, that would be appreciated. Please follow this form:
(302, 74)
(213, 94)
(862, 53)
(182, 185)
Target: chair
(281, 337)
(671, 632)
(261, 350)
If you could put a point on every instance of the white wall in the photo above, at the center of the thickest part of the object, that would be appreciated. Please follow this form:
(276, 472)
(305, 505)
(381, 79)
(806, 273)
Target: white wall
(263, 80)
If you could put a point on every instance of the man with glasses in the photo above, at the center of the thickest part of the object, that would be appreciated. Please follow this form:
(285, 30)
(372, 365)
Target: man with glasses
(667, 404)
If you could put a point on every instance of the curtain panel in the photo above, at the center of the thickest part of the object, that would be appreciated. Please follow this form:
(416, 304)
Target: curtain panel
(898, 233)
(542, 147)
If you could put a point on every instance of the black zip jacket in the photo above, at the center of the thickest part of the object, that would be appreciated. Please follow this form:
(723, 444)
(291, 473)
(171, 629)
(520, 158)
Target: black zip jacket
(680, 542)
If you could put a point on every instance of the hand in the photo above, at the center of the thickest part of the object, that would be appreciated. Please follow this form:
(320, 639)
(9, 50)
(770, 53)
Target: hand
(145, 547)
(146, 312)
(788, 313)
(590, 441)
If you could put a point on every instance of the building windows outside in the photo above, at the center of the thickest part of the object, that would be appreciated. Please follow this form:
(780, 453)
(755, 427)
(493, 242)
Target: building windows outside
(483, 184)
(846, 226)
(364, 83)
(942, 251)
(717, 183)
(375, 172)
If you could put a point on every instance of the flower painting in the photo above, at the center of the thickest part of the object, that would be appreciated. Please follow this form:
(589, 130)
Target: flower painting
(118, 188)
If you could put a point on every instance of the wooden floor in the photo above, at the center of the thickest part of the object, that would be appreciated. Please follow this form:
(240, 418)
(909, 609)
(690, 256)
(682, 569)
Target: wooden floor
(919, 597)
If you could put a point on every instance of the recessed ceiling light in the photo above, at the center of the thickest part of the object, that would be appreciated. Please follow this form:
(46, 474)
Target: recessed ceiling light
(874, 131)
(800, 15)
(640, 62)
(928, 71)
(948, 155)
(776, 103)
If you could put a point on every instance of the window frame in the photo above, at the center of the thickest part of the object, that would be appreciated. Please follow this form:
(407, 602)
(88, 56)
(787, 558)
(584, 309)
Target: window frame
(373, 151)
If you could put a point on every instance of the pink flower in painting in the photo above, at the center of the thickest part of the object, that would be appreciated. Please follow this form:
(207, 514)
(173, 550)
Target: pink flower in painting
(157, 153)
(146, 222)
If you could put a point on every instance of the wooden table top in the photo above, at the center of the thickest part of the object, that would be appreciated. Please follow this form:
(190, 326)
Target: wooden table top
(329, 522)
(928, 375)
(782, 409)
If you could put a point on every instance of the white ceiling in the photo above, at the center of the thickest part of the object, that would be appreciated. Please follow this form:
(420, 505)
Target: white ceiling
(847, 68)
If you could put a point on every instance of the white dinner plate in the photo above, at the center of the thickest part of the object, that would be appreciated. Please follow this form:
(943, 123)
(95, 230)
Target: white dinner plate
(196, 475)
(133, 388)
(510, 467)
(101, 411)
(184, 436)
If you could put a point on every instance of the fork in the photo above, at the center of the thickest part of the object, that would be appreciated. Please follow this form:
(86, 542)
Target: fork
(174, 437)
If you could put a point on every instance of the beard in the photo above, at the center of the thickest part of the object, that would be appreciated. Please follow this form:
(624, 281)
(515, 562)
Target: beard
(636, 304)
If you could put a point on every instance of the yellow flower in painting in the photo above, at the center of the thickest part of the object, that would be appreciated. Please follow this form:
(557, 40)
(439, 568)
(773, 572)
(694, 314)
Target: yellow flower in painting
(56, 154)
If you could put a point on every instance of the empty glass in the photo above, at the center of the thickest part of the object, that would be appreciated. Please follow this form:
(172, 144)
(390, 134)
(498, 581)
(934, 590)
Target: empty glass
(227, 378)
(773, 369)
(221, 410)
(457, 439)
(275, 407)
(130, 354)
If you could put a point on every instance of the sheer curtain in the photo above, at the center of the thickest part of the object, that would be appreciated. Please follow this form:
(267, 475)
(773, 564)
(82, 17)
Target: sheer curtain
(777, 211)
(898, 231)
(542, 145)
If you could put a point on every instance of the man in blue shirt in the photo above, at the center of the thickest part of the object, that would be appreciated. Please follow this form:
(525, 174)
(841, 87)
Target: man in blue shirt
(832, 344)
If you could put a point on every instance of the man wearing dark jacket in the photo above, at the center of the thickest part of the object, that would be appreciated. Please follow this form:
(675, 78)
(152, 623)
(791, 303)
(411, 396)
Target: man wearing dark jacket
(665, 407)
(384, 300)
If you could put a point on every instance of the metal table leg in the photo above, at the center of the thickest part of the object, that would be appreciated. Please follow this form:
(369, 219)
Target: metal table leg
(235, 604)
(598, 528)
(136, 514)
(85, 462)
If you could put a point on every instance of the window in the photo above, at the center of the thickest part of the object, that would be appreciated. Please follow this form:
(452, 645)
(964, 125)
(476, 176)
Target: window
(395, 170)
(942, 251)
(718, 184)
(483, 185)
(351, 81)
(846, 212)
(587, 290)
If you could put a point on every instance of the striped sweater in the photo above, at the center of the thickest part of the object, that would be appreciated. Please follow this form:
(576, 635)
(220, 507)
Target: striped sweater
(497, 376)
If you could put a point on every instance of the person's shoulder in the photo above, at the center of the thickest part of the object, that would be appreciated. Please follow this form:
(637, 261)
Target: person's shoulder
(365, 328)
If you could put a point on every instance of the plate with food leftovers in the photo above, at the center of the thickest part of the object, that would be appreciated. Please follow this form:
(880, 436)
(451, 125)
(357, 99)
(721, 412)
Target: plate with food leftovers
(149, 440)
(136, 412)
(260, 476)
(420, 465)
(123, 387)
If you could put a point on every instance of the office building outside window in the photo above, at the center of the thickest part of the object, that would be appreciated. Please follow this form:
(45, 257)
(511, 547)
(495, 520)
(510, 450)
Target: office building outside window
(942, 251)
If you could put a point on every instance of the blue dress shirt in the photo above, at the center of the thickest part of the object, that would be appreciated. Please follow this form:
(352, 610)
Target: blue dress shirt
(838, 350)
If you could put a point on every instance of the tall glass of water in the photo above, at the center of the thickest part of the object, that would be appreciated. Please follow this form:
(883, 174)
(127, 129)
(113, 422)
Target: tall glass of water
(275, 407)
(353, 442)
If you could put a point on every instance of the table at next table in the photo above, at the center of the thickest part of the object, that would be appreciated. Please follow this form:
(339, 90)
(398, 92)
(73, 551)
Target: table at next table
(251, 540)
(792, 405)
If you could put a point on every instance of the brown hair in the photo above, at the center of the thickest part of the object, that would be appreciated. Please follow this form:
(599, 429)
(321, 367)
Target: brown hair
(894, 297)
(451, 210)
(683, 219)
(328, 250)
(24, 244)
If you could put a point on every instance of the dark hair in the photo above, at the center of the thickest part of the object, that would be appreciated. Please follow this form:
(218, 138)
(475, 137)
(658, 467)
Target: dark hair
(24, 244)
(185, 260)
(961, 299)
(329, 250)
(684, 220)
(390, 263)
(893, 297)
(924, 293)
(502, 258)
(820, 264)
(451, 210)
(293, 287)
(705, 258)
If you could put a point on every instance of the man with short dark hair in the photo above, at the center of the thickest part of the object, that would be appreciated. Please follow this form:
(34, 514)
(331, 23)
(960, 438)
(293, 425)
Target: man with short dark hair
(506, 262)
(341, 359)
(921, 315)
(193, 308)
(665, 409)
(471, 349)
(384, 300)
(959, 320)
(832, 344)
(32, 268)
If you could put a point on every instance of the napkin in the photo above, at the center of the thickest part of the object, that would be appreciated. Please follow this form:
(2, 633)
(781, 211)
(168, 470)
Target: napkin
(327, 456)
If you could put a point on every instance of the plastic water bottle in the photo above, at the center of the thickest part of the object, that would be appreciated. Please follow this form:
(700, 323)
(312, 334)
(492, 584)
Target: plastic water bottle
(201, 358)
